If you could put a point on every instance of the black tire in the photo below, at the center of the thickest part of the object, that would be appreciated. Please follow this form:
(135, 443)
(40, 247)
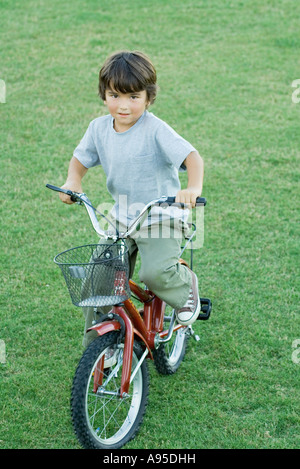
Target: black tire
(169, 356)
(120, 418)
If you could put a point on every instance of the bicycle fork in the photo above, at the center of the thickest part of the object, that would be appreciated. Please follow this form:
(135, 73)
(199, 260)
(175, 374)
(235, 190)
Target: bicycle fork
(127, 377)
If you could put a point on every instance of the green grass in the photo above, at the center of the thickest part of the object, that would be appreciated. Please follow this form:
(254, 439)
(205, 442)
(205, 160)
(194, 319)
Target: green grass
(225, 70)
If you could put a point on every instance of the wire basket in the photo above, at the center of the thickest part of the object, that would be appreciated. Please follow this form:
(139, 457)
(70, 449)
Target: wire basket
(96, 274)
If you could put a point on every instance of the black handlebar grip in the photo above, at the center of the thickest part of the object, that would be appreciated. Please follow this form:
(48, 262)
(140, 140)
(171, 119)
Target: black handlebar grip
(59, 189)
(74, 197)
(171, 201)
(54, 188)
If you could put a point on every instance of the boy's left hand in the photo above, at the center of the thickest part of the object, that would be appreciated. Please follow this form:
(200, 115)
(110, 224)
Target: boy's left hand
(188, 196)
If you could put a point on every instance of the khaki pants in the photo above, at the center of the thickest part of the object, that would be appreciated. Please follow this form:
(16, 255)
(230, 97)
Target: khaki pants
(160, 269)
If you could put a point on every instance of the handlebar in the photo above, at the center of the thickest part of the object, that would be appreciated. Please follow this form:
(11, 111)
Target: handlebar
(75, 196)
(82, 199)
(171, 201)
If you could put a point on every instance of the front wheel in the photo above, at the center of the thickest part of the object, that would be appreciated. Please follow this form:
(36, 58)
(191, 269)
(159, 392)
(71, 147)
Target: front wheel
(101, 418)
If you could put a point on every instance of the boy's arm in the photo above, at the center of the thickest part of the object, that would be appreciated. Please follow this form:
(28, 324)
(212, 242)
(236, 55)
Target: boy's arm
(195, 169)
(76, 172)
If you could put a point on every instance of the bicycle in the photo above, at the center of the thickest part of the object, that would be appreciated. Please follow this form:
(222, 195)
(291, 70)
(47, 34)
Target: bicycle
(111, 384)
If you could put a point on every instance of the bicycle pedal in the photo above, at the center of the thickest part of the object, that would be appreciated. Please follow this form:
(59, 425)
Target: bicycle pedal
(206, 307)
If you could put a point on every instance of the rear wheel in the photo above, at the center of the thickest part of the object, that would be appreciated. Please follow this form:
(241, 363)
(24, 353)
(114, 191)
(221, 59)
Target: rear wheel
(101, 418)
(168, 357)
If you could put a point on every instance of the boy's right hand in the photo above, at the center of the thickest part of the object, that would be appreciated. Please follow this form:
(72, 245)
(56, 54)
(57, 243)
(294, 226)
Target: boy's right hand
(66, 199)
(73, 183)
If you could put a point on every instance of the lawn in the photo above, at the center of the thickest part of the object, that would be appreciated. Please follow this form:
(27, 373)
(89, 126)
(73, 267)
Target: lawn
(225, 70)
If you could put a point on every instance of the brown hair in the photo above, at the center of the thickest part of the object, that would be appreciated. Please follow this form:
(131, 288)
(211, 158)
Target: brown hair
(128, 72)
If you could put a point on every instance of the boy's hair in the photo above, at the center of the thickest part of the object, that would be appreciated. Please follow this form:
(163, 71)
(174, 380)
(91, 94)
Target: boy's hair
(128, 72)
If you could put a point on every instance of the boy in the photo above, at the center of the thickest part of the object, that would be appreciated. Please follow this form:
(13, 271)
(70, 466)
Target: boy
(141, 156)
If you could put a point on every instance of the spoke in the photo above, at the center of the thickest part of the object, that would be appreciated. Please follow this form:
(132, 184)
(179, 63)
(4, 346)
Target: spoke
(104, 425)
(97, 399)
(112, 416)
(109, 415)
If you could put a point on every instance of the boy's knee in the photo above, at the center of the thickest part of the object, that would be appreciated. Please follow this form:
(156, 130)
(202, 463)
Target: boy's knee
(155, 278)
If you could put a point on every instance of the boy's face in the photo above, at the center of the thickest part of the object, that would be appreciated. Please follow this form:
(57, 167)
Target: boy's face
(125, 108)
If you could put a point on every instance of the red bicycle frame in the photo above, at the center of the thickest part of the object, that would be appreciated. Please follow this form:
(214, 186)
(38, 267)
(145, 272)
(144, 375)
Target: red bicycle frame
(146, 328)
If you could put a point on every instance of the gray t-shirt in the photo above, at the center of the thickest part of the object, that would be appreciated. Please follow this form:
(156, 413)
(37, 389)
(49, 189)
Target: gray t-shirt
(140, 164)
